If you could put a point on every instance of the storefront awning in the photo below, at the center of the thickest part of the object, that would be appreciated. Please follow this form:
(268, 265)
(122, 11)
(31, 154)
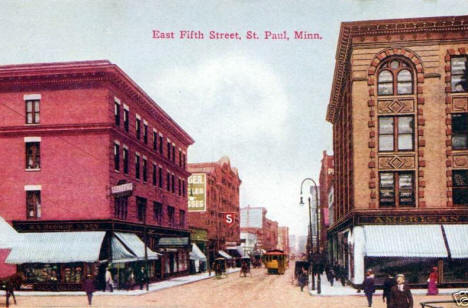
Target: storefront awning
(8, 235)
(238, 250)
(173, 241)
(197, 254)
(136, 246)
(423, 241)
(224, 254)
(57, 247)
(457, 240)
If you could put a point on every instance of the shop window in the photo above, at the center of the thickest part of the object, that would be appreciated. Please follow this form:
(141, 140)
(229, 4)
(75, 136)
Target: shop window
(37, 273)
(121, 207)
(396, 134)
(145, 133)
(137, 166)
(182, 218)
(125, 160)
(145, 170)
(395, 77)
(126, 121)
(116, 156)
(32, 111)
(117, 113)
(138, 128)
(460, 131)
(170, 216)
(397, 189)
(33, 204)
(33, 159)
(460, 187)
(141, 208)
(458, 73)
(158, 212)
(154, 174)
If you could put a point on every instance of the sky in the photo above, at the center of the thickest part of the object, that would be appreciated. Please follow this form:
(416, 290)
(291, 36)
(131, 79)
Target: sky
(261, 102)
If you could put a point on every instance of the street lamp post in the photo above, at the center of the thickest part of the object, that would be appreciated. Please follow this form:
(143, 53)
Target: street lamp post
(319, 287)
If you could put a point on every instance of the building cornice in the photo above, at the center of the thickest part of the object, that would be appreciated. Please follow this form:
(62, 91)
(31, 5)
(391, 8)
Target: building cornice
(390, 30)
(14, 77)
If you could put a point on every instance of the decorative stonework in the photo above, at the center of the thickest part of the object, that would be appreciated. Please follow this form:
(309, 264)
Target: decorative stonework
(397, 162)
(397, 105)
(454, 102)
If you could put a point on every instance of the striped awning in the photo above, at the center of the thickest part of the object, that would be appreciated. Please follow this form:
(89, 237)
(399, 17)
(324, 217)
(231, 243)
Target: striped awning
(8, 235)
(424, 241)
(136, 246)
(57, 247)
(224, 254)
(197, 254)
(457, 240)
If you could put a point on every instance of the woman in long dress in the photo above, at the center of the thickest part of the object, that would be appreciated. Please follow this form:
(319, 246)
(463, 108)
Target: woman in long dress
(432, 282)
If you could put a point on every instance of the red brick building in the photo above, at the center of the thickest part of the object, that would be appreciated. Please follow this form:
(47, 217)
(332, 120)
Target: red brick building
(85, 148)
(325, 185)
(214, 192)
(254, 220)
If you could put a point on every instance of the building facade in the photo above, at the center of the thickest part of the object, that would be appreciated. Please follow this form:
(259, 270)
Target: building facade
(325, 184)
(254, 221)
(399, 109)
(214, 194)
(283, 239)
(84, 148)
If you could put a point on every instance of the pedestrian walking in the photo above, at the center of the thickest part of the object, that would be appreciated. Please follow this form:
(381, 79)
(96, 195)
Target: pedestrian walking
(389, 282)
(400, 295)
(142, 277)
(89, 288)
(109, 280)
(432, 282)
(303, 279)
(330, 275)
(369, 286)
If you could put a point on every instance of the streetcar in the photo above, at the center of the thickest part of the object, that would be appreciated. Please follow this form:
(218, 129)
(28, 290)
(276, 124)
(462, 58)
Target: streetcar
(276, 261)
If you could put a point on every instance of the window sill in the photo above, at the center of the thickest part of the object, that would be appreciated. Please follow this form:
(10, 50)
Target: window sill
(32, 169)
(117, 171)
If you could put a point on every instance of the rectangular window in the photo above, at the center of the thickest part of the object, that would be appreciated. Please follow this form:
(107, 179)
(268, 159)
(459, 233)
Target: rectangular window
(182, 218)
(137, 166)
(117, 113)
(160, 144)
(160, 178)
(145, 170)
(179, 185)
(32, 111)
(33, 204)
(397, 189)
(169, 150)
(168, 182)
(141, 208)
(460, 131)
(396, 134)
(183, 160)
(116, 157)
(125, 160)
(120, 207)
(154, 174)
(33, 157)
(155, 141)
(158, 212)
(173, 153)
(460, 187)
(126, 121)
(170, 216)
(145, 133)
(459, 73)
(180, 158)
(138, 128)
(173, 183)
(183, 188)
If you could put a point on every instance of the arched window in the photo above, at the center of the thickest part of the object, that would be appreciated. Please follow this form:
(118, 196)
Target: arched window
(395, 78)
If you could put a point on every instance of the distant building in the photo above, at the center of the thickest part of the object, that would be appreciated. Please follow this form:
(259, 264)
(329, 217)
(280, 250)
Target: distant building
(326, 185)
(213, 196)
(283, 239)
(254, 220)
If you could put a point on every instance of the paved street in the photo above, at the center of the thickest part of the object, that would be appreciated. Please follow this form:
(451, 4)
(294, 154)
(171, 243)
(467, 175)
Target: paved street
(260, 290)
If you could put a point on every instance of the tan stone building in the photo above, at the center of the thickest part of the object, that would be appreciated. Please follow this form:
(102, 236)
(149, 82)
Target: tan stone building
(399, 109)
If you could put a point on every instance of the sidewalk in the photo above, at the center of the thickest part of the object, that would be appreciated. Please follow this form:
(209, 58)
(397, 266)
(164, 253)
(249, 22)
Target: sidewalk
(339, 290)
(153, 287)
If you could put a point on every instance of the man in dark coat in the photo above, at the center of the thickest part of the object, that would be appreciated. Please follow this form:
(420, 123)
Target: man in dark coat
(400, 294)
(89, 288)
(369, 287)
(389, 282)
